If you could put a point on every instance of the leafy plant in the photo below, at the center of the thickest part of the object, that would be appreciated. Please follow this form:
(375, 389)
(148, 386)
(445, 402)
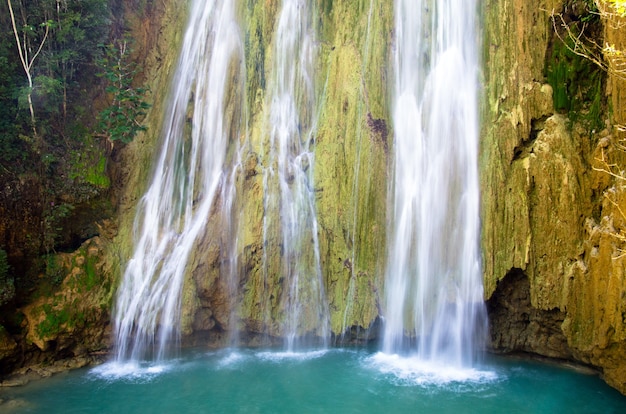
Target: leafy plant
(121, 120)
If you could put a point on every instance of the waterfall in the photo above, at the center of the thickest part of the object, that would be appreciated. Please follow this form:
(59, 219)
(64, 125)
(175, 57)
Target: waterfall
(434, 295)
(288, 176)
(187, 177)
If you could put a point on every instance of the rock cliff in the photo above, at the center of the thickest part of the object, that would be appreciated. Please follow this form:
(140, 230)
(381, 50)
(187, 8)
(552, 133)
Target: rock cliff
(552, 221)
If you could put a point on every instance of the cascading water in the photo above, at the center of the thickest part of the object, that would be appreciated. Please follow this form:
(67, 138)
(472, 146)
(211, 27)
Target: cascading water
(289, 174)
(434, 290)
(186, 179)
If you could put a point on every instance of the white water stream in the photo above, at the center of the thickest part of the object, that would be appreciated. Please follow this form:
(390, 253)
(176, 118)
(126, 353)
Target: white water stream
(187, 177)
(433, 289)
(434, 294)
(289, 175)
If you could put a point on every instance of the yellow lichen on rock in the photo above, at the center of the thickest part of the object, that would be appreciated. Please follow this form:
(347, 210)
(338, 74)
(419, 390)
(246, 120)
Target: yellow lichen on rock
(548, 212)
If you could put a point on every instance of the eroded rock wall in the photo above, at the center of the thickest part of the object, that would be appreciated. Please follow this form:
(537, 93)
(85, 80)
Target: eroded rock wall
(68, 315)
(234, 280)
(547, 223)
(352, 149)
(554, 271)
(350, 141)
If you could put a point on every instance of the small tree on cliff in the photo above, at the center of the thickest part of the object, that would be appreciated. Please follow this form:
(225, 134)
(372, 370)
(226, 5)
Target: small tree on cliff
(28, 53)
(122, 119)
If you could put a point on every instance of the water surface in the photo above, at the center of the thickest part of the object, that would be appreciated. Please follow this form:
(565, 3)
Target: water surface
(332, 381)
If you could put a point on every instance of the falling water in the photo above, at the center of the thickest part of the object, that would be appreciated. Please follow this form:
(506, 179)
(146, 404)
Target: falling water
(186, 179)
(434, 290)
(289, 174)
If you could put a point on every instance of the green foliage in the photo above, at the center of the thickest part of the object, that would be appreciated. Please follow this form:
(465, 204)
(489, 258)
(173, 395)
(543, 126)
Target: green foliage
(121, 120)
(7, 285)
(12, 149)
(49, 90)
(57, 40)
(68, 34)
(76, 30)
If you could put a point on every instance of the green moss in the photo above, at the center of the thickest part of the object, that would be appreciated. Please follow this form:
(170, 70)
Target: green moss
(90, 277)
(97, 175)
(258, 42)
(326, 6)
(57, 319)
(577, 84)
(352, 155)
(53, 322)
(90, 167)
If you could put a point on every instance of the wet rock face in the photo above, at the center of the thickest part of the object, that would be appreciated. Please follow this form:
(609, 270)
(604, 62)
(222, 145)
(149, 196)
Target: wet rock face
(70, 320)
(515, 326)
(553, 273)
(543, 212)
(548, 211)
(350, 173)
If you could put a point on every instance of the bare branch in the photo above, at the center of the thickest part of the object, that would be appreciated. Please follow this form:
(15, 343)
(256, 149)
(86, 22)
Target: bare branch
(45, 36)
(19, 43)
(27, 63)
(605, 57)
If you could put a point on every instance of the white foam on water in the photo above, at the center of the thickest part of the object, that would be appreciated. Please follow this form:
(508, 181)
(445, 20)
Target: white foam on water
(291, 356)
(132, 370)
(231, 360)
(416, 371)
